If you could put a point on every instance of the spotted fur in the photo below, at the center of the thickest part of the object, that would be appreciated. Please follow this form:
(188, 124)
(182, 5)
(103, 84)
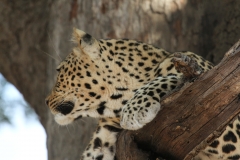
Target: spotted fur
(121, 82)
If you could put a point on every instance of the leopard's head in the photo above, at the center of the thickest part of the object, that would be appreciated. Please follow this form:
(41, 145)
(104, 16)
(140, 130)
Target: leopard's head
(77, 91)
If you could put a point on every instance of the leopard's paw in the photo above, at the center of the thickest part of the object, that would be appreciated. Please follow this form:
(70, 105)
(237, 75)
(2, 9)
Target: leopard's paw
(140, 110)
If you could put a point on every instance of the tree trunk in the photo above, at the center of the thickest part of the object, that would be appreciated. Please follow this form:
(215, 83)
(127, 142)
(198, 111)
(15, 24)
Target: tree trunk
(191, 118)
(28, 29)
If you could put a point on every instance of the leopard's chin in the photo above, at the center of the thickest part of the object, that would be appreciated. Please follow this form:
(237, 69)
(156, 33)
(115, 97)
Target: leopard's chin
(62, 119)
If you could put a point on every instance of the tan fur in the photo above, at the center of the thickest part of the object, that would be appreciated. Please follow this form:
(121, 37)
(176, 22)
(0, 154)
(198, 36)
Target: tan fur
(121, 82)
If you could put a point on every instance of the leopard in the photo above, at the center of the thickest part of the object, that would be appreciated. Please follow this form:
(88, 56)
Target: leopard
(121, 83)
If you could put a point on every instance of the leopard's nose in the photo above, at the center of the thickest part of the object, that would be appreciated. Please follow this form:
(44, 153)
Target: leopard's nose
(65, 108)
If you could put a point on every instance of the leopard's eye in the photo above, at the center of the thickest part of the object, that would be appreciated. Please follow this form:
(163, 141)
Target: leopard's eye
(60, 66)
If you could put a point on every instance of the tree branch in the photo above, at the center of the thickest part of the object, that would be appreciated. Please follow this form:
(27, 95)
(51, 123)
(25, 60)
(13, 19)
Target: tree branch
(191, 118)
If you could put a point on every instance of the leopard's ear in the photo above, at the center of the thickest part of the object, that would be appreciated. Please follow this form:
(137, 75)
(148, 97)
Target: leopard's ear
(88, 44)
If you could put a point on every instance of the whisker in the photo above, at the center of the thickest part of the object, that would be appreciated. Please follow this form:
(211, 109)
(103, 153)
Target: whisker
(77, 123)
(54, 46)
(68, 130)
(61, 97)
(48, 54)
(73, 126)
(83, 120)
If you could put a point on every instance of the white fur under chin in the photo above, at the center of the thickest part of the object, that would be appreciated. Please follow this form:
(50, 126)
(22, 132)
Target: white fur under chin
(62, 120)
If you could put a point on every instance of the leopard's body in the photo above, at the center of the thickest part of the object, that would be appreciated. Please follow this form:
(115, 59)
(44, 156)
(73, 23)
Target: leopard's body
(121, 82)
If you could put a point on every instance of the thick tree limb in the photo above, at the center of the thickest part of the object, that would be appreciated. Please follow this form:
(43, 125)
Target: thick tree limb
(191, 118)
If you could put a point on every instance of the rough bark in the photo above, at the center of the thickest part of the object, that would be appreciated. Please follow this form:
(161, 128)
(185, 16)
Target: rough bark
(28, 28)
(192, 117)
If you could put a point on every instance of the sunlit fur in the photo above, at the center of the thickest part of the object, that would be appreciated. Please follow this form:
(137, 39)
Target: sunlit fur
(115, 80)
